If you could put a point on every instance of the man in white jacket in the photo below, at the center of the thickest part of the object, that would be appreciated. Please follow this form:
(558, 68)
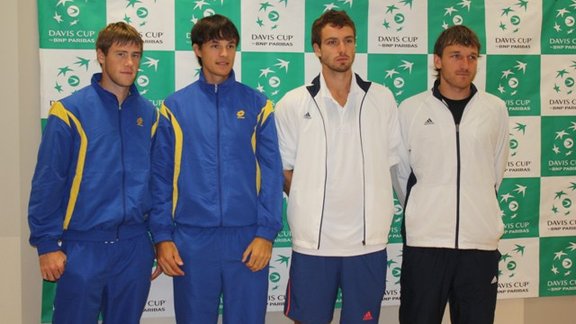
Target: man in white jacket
(456, 148)
(339, 137)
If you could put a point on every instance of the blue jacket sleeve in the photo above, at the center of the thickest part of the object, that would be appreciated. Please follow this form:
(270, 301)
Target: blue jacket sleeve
(162, 179)
(270, 164)
(50, 184)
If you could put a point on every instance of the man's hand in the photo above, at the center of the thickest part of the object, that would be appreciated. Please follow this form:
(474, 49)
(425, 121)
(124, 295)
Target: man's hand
(52, 265)
(169, 259)
(257, 254)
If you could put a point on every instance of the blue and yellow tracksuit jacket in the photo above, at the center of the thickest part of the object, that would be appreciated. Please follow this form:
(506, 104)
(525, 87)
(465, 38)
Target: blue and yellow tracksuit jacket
(92, 176)
(216, 161)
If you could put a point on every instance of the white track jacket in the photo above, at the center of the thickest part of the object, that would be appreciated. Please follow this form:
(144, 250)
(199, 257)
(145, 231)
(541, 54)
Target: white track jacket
(457, 170)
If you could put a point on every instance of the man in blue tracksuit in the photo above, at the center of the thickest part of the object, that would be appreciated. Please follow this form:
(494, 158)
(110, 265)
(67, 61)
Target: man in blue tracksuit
(217, 187)
(90, 194)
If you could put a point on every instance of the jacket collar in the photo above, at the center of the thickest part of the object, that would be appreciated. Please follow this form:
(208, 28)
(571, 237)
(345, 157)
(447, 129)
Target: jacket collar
(314, 87)
(95, 81)
(227, 83)
(438, 95)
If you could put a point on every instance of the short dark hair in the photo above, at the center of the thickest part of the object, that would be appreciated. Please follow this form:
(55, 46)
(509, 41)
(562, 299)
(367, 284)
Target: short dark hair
(118, 33)
(337, 18)
(456, 35)
(215, 27)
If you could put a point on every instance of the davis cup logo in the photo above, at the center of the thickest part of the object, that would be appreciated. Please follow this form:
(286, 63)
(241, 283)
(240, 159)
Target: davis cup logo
(268, 16)
(508, 263)
(394, 269)
(398, 76)
(563, 261)
(510, 202)
(70, 77)
(136, 14)
(520, 129)
(271, 77)
(563, 200)
(511, 79)
(395, 17)
(275, 276)
(510, 20)
(564, 82)
(143, 80)
(338, 5)
(565, 20)
(456, 14)
(203, 9)
(563, 146)
(67, 14)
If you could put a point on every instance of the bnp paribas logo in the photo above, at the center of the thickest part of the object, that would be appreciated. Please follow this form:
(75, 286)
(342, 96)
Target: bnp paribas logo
(511, 16)
(269, 15)
(136, 12)
(508, 264)
(395, 15)
(562, 204)
(73, 75)
(70, 23)
(511, 79)
(563, 261)
(564, 80)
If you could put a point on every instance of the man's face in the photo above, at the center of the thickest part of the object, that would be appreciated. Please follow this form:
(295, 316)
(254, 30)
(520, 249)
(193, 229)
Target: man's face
(458, 66)
(217, 59)
(119, 66)
(338, 48)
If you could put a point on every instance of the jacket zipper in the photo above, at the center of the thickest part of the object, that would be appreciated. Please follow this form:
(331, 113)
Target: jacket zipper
(123, 189)
(457, 186)
(325, 173)
(457, 133)
(363, 171)
(218, 162)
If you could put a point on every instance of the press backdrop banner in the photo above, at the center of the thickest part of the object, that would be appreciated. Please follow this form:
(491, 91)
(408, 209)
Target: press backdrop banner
(528, 58)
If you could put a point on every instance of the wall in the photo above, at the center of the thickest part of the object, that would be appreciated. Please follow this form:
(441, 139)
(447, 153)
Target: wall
(19, 275)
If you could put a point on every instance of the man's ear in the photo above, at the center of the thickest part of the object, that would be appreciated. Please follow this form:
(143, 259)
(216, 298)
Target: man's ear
(100, 56)
(316, 48)
(196, 49)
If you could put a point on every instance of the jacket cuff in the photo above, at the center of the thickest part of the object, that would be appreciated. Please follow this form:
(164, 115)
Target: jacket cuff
(266, 233)
(48, 246)
(162, 236)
